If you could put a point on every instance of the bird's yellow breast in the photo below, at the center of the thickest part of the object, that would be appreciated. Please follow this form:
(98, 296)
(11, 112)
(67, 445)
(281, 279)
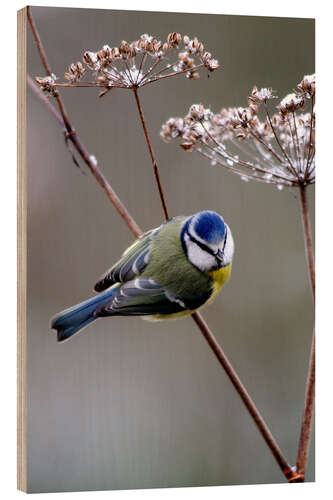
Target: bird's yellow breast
(219, 278)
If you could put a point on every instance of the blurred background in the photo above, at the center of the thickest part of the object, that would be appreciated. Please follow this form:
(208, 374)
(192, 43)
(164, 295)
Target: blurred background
(130, 404)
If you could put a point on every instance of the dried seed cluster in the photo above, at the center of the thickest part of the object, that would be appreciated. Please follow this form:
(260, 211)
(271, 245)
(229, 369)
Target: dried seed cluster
(47, 84)
(136, 64)
(252, 142)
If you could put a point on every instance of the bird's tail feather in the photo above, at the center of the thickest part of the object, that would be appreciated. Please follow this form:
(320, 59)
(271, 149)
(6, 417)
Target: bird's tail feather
(72, 320)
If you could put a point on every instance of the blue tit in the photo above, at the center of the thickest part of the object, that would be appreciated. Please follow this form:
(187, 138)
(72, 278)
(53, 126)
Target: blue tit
(169, 272)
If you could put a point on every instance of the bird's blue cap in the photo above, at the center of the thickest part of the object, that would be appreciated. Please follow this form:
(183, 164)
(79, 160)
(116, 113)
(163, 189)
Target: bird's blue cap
(209, 226)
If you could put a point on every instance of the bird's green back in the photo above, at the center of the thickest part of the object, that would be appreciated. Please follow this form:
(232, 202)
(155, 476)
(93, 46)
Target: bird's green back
(169, 266)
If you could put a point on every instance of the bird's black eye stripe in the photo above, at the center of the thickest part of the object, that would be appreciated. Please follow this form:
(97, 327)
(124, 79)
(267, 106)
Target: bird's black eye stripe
(201, 245)
(225, 240)
(204, 247)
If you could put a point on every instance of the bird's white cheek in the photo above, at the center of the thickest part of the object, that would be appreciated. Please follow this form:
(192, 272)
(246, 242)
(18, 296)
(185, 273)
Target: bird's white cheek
(199, 258)
(229, 249)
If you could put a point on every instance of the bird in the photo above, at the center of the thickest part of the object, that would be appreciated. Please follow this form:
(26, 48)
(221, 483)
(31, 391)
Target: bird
(169, 272)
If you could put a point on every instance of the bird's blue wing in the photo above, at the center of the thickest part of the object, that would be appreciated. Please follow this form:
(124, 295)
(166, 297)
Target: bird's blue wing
(143, 296)
(131, 264)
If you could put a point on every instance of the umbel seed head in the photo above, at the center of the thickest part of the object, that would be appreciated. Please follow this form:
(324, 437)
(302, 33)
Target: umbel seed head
(139, 63)
(278, 148)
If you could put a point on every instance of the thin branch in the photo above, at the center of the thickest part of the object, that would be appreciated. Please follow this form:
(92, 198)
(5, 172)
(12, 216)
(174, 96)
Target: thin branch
(297, 142)
(310, 137)
(172, 74)
(73, 137)
(278, 141)
(308, 238)
(309, 403)
(287, 471)
(226, 365)
(306, 427)
(157, 73)
(266, 146)
(152, 156)
(80, 85)
(249, 175)
(149, 71)
(244, 395)
(293, 139)
(127, 71)
(241, 162)
(46, 100)
(142, 63)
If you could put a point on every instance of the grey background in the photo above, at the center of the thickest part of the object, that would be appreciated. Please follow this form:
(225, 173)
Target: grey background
(129, 404)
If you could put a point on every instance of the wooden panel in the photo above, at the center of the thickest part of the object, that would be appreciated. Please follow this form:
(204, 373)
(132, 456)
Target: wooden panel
(21, 251)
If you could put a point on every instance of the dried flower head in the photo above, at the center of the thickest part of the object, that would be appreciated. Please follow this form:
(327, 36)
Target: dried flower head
(75, 72)
(274, 148)
(290, 103)
(139, 63)
(308, 85)
(260, 96)
(47, 84)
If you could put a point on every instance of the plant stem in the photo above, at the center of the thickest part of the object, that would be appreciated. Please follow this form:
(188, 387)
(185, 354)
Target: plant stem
(246, 398)
(74, 138)
(309, 403)
(36, 89)
(152, 156)
(278, 141)
(308, 238)
(306, 427)
(216, 348)
(264, 430)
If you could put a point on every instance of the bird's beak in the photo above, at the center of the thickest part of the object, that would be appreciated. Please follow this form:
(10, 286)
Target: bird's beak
(220, 256)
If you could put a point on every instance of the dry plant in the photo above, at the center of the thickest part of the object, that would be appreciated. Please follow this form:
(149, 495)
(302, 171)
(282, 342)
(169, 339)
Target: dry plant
(132, 66)
(274, 148)
(136, 64)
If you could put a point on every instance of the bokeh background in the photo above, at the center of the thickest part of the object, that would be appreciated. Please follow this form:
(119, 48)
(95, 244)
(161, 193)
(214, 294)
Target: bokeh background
(129, 404)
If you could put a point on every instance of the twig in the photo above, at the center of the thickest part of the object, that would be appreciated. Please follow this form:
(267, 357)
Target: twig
(306, 427)
(152, 156)
(173, 74)
(246, 398)
(286, 469)
(73, 137)
(310, 137)
(36, 89)
(308, 238)
(278, 140)
(237, 160)
(216, 348)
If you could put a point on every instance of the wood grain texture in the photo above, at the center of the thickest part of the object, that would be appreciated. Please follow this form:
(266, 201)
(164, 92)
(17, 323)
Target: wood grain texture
(130, 404)
(21, 251)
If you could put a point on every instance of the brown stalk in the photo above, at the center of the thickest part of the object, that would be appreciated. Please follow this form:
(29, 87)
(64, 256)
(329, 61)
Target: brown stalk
(308, 238)
(175, 73)
(149, 72)
(74, 138)
(309, 404)
(35, 88)
(152, 156)
(260, 423)
(306, 427)
(216, 348)
(241, 162)
(310, 138)
(297, 142)
(290, 475)
(266, 146)
(238, 172)
(278, 141)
